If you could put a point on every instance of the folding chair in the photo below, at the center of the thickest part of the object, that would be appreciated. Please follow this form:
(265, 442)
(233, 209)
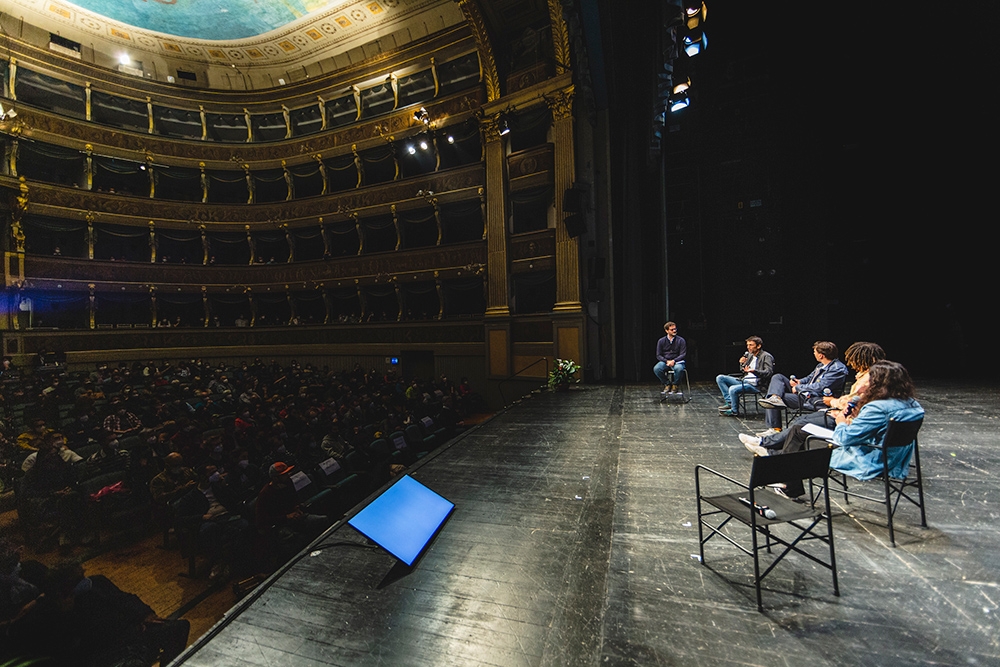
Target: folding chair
(899, 434)
(771, 510)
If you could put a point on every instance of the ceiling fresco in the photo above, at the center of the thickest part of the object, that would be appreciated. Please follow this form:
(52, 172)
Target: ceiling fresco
(217, 20)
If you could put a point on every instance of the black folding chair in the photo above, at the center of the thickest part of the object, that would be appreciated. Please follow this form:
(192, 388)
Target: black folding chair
(762, 512)
(899, 434)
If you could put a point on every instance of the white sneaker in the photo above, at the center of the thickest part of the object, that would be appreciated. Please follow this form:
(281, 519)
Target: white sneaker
(774, 401)
(770, 431)
(756, 449)
(749, 440)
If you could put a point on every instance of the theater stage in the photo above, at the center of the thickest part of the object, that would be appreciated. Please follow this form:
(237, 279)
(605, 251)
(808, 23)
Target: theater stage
(573, 542)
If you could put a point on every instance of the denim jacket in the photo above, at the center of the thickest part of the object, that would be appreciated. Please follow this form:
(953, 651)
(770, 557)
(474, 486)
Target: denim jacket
(855, 455)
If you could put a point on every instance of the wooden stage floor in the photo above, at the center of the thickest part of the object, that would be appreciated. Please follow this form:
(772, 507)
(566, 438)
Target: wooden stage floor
(574, 542)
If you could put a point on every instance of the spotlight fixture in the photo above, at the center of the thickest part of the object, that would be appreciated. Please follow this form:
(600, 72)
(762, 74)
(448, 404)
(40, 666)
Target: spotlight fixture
(504, 127)
(678, 101)
(422, 116)
(423, 145)
(451, 139)
(695, 43)
(123, 59)
(695, 13)
(7, 114)
(410, 149)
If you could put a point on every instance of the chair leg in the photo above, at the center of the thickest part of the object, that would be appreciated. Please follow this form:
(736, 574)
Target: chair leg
(888, 507)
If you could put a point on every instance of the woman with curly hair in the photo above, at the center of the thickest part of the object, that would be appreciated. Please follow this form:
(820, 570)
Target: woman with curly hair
(861, 426)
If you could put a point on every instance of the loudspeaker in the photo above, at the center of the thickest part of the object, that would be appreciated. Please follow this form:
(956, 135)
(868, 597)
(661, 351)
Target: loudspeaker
(574, 199)
(576, 224)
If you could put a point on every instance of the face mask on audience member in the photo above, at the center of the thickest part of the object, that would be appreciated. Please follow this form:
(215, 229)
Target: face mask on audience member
(84, 586)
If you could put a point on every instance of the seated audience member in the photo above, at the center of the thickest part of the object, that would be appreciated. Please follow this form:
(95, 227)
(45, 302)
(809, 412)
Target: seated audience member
(278, 505)
(757, 367)
(889, 395)
(88, 620)
(213, 509)
(175, 480)
(30, 439)
(807, 393)
(859, 358)
(48, 502)
(121, 422)
(671, 351)
(59, 442)
(16, 594)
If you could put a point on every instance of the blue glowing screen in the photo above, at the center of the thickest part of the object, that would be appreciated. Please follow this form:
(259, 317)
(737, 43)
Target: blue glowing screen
(403, 519)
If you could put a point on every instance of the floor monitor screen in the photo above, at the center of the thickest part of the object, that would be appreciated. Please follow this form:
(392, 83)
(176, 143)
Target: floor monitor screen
(403, 519)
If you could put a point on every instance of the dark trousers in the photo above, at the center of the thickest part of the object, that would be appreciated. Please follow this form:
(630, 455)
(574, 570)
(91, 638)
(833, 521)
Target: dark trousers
(782, 386)
(795, 441)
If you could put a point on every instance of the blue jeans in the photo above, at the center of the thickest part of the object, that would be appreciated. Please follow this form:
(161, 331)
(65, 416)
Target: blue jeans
(731, 389)
(661, 370)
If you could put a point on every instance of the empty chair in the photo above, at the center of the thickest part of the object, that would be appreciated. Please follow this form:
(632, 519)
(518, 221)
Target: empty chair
(765, 513)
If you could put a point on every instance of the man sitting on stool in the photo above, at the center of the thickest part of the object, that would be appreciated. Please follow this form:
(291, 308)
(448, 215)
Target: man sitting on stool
(671, 350)
(830, 373)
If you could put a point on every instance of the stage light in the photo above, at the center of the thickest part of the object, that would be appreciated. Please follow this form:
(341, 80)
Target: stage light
(7, 114)
(423, 145)
(504, 127)
(695, 13)
(681, 86)
(123, 59)
(451, 139)
(695, 43)
(678, 101)
(411, 150)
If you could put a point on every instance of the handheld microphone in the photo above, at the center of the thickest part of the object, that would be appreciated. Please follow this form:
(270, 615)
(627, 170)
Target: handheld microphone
(762, 510)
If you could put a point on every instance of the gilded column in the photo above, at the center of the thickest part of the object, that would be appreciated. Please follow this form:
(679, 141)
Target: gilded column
(322, 113)
(395, 224)
(152, 306)
(205, 308)
(289, 183)
(205, 249)
(246, 118)
(322, 171)
(497, 303)
(567, 247)
(20, 208)
(204, 183)
(250, 186)
(91, 287)
(12, 78)
(253, 247)
(152, 242)
(326, 239)
(88, 108)
(89, 168)
(287, 115)
(204, 122)
(152, 176)
(149, 115)
(91, 216)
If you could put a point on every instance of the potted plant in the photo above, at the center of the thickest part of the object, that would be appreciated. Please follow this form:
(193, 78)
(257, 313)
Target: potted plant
(562, 374)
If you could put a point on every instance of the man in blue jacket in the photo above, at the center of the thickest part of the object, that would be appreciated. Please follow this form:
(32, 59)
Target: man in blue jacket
(807, 393)
(671, 351)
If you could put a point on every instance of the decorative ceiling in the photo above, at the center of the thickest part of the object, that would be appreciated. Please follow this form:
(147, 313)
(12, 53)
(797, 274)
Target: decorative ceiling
(219, 20)
(245, 33)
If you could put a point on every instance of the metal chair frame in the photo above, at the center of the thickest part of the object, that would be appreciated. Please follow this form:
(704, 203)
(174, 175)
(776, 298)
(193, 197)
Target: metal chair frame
(899, 434)
(807, 519)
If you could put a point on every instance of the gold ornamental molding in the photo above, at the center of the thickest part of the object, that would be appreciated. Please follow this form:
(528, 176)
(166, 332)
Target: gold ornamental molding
(486, 60)
(71, 203)
(112, 142)
(561, 103)
(560, 36)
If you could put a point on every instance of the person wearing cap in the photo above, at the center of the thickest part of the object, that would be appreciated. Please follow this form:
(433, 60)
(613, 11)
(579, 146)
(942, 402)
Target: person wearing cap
(278, 505)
